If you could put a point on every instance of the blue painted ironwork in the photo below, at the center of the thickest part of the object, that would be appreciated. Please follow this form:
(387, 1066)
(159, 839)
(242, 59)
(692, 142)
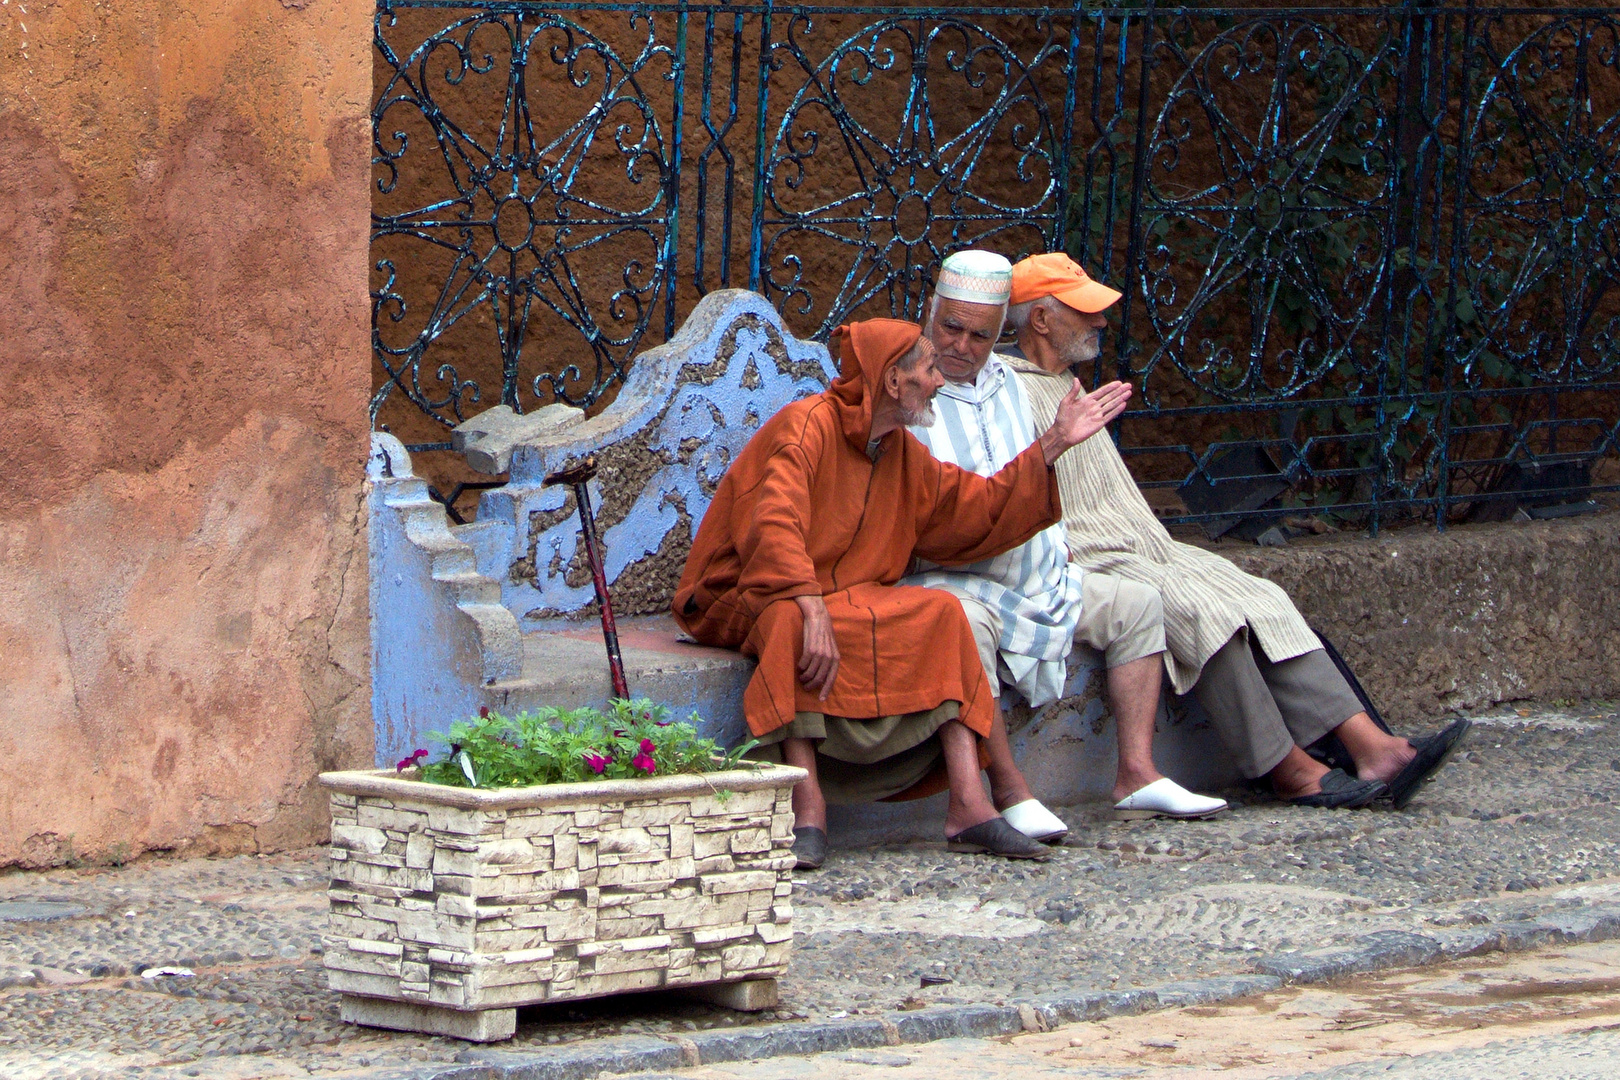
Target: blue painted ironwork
(1383, 242)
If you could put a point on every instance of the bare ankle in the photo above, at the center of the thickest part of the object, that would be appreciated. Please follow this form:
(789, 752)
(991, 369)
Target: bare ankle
(1297, 774)
(1007, 795)
(1129, 779)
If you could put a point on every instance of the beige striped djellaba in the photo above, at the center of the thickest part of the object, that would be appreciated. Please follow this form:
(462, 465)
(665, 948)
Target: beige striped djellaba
(1111, 529)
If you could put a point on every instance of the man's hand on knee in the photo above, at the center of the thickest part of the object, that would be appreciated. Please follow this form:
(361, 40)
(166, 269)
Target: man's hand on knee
(818, 661)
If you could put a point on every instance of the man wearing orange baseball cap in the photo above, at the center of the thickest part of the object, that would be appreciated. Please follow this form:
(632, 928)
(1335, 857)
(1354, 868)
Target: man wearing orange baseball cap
(1234, 640)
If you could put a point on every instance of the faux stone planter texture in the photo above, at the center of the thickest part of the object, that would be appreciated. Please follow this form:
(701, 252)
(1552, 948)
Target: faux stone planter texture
(452, 906)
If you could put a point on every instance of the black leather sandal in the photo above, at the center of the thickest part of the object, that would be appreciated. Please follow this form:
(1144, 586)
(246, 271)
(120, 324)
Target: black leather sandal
(1341, 791)
(997, 837)
(1432, 753)
(809, 847)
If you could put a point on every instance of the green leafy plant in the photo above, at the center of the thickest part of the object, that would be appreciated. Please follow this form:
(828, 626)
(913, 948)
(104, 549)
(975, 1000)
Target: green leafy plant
(631, 740)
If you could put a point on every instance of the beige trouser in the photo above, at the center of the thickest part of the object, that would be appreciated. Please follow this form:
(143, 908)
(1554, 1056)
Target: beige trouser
(866, 759)
(1123, 620)
(1262, 710)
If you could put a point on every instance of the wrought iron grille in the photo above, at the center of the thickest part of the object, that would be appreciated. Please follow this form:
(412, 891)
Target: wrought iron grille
(1375, 250)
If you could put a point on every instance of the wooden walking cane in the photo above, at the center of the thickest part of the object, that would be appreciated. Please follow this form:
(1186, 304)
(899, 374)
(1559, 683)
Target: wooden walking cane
(577, 476)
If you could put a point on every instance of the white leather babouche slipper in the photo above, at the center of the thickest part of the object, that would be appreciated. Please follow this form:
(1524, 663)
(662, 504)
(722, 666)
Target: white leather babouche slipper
(1036, 821)
(1166, 798)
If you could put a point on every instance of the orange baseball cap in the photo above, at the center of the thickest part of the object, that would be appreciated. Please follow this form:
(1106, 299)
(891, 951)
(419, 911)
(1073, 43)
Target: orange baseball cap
(1055, 274)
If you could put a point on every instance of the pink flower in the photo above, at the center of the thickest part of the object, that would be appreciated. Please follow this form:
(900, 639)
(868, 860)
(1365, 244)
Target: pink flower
(647, 746)
(663, 723)
(644, 762)
(597, 762)
(414, 759)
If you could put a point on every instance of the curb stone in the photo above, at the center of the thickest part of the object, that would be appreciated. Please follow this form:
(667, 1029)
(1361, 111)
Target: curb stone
(620, 1054)
(651, 1056)
(1393, 948)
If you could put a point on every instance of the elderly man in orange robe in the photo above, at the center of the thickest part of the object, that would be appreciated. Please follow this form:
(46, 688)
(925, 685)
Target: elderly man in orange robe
(864, 683)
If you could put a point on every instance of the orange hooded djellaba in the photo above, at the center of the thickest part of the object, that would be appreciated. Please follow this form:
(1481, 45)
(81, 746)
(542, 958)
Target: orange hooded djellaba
(804, 511)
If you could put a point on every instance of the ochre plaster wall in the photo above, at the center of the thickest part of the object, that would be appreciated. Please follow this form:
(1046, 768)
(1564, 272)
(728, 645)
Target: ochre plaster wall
(184, 359)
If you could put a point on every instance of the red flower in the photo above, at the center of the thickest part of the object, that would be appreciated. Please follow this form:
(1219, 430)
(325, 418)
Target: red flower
(483, 712)
(597, 762)
(414, 759)
(647, 746)
(645, 763)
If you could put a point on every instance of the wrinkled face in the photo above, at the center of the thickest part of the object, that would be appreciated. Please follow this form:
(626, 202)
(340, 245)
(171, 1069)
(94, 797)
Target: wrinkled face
(915, 389)
(1076, 335)
(963, 335)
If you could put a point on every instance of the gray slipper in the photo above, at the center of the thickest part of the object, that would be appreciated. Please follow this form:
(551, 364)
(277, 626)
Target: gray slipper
(809, 847)
(996, 837)
(1341, 791)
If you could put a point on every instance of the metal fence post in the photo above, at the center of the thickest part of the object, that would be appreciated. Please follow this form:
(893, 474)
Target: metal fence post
(672, 249)
(756, 232)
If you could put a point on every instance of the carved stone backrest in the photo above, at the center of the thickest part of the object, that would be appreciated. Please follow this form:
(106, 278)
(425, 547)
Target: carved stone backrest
(686, 409)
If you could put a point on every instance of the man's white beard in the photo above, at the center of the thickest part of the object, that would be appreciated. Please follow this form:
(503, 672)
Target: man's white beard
(924, 417)
(1082, 350)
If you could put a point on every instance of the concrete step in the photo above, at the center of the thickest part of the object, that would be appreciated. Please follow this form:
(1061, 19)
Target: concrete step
(566, 666)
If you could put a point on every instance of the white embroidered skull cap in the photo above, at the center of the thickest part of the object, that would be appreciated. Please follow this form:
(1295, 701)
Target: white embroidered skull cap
(975, 277)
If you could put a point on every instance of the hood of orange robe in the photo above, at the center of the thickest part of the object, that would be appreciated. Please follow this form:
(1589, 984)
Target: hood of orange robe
(865, 350)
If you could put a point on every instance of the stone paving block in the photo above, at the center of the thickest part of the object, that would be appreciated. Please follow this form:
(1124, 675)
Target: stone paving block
(963, 1022)
(624, 1054)
(358, 838)
(741, 881)
(375, 815)
(488, 1025)
(750, 995)
(537, 823)
(748, 1044)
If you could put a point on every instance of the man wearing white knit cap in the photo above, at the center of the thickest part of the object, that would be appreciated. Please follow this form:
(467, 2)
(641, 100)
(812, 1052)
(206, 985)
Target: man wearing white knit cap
(1028, 606)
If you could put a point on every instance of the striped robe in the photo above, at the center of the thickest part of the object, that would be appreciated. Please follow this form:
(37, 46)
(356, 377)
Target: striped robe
(1112, 530)
(1034, 586)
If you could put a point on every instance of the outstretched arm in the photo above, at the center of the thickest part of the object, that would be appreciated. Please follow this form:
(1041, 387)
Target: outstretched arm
(1081, 415)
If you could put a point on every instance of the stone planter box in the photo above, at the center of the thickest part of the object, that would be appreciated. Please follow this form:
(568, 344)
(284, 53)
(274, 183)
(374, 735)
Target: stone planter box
(450, 906)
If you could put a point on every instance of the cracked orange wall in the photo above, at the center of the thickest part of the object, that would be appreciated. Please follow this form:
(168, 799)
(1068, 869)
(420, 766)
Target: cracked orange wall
(184, 369)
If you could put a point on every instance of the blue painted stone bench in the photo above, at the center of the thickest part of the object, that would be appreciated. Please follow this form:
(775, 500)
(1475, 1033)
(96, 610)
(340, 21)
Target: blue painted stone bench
(501, 612)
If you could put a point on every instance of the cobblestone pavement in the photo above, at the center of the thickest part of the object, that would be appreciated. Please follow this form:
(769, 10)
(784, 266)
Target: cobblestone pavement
(1525, 820)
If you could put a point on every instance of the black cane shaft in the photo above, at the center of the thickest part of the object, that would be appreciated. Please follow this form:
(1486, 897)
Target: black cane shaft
(593, 554)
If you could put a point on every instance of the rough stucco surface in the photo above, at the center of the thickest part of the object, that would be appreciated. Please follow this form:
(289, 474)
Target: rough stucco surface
(183, 346)
(1472, 616)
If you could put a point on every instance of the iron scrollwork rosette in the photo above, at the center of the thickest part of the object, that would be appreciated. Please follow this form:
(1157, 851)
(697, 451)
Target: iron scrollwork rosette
(942, 137)
(549, 215)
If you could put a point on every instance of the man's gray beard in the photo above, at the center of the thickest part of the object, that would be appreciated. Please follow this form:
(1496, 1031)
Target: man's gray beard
(925, 417)
(1082, 350)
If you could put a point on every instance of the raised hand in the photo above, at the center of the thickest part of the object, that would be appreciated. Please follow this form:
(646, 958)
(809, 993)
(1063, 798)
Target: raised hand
(1081, 415)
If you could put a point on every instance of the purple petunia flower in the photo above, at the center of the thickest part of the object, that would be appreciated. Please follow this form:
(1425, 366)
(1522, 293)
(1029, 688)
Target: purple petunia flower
(644, 762)
(413, 760)
(597, 762)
